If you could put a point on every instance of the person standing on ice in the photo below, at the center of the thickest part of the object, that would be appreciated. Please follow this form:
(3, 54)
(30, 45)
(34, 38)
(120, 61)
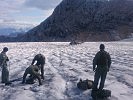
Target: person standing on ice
(40, 63)
(101, 65)
(3, 64)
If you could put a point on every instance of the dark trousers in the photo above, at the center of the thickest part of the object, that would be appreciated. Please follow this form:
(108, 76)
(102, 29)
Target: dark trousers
(99, 74)
(5, 75)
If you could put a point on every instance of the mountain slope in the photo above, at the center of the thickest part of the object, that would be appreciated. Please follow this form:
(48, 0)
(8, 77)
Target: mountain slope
(90, 20)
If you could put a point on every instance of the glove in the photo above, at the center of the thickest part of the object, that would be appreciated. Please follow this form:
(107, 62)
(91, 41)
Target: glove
(108, 70)
(42, 77)
(94, 69)
(40, 84)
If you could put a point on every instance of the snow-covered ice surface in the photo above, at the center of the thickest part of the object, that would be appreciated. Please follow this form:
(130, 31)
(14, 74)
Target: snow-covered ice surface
(65, 65)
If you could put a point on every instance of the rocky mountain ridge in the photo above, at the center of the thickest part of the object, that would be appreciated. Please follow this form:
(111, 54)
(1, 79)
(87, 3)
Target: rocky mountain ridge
(85, 20)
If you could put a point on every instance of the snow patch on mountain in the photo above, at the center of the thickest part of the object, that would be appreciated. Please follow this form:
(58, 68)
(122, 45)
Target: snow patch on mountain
(14, 28)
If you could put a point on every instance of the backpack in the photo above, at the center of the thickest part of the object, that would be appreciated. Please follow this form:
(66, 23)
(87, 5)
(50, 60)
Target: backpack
(85, 84)
(97, 94)
(102, 58)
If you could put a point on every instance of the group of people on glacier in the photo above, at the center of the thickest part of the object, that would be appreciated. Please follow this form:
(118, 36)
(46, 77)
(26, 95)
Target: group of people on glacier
(101, 65)
(33, 69)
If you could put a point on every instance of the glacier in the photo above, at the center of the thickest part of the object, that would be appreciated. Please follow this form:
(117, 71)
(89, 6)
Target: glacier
(65, 65)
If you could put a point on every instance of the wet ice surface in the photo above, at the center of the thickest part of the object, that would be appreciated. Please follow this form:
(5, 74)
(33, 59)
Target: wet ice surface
(65, 65)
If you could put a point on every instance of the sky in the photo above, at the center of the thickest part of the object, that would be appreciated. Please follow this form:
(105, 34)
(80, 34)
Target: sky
(26, 11)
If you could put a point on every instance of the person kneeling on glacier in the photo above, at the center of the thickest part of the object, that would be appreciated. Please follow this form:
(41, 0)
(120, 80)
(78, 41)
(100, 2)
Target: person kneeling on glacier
(33, 71)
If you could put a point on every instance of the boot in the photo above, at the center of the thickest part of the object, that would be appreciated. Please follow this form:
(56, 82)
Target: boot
(8, 83)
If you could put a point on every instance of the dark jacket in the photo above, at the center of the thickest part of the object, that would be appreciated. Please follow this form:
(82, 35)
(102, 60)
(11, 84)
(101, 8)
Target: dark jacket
(33, 71)
(40, 63)
(103, 62)
(3, 59)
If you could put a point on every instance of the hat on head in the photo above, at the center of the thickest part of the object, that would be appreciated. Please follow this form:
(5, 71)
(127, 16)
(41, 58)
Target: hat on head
(102, 47)
(5, 49)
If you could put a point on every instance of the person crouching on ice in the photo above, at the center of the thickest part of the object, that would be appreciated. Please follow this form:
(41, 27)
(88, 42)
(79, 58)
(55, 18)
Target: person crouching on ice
(33, 71)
